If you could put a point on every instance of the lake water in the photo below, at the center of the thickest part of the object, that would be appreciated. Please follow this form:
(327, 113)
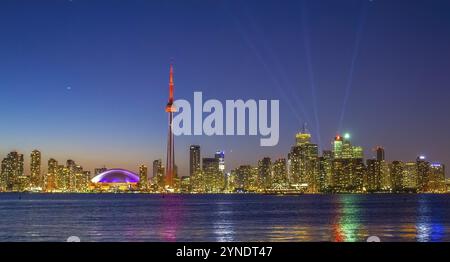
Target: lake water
(148, 217)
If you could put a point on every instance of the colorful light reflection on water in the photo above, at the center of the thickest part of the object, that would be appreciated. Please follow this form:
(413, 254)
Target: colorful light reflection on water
(133, 217)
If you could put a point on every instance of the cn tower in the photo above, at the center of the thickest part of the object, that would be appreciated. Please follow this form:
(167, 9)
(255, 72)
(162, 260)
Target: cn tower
(170, 160)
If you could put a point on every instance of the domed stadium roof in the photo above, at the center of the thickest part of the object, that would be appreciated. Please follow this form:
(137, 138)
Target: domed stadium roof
(116, 176)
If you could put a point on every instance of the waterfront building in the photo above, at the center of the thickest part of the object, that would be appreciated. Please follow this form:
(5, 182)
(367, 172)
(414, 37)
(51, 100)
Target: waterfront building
(213, 178)
(280, 176)
(436, 182)
(50, 178)
(397, 171)
(143, 178)
(410, 176)
(304, 164)
(423, 172)
(265, 173)
(12, 177)
(337, 147)
(35, 170)
(325, 171)
(220, 156)
(194, 160)
(185, 184)
(374, 181)
(115, 180)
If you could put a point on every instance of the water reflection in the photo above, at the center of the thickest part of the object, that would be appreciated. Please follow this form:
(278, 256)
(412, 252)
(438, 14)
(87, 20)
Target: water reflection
(224, 217)
(172, 217)
(223, 224)
(428, 228)
(346, 224)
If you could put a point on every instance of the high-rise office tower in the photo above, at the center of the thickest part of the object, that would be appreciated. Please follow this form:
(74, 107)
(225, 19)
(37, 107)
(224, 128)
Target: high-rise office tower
(423, 172)
(337, 147)
(303, 163)
(358, 152)
(35, 168)
(194, 160)
(436, 181)
(303, 137)
(220, 155)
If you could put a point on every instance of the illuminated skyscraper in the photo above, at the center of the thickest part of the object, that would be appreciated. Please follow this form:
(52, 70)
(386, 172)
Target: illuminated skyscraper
(358, 173)
(71, 166)
(12, 175)
(35, 168)
(337, 147)
(50, 181)
(397, 171)
(325, 171)
(303, 163)
(423, 173)
(158, 174)
(213, 179)
(170, 159)
(157, 164)
(436, 183)
(304, 137)
(194, 160)
(410, 176)
(358, 152)
(246, 178)
(374, 181)
(62, 178)
(280, 176)
(385, 176)
(220, 155)
(265, 173)
(143, 177)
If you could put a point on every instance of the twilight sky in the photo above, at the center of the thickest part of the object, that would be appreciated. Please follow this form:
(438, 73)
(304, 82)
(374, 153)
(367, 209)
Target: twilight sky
(87, 79)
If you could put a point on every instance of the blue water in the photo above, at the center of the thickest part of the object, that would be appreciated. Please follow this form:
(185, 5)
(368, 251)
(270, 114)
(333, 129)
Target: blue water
(147, 217)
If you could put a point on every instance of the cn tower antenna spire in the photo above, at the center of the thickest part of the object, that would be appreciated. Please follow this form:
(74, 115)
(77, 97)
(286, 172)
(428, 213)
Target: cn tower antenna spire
(171, 83)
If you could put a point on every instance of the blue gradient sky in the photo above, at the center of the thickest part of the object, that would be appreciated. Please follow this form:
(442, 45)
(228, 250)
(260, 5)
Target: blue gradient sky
(87, 80)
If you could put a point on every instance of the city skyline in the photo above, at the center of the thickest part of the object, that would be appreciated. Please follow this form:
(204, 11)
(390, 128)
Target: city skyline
(375, 154)
(343, 169)
(62, 82)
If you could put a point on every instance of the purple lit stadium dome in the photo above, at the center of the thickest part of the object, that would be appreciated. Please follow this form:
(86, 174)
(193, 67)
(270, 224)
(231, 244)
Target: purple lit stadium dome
(116, 176)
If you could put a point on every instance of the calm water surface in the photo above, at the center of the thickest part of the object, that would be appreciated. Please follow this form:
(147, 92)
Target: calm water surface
(141, 217)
